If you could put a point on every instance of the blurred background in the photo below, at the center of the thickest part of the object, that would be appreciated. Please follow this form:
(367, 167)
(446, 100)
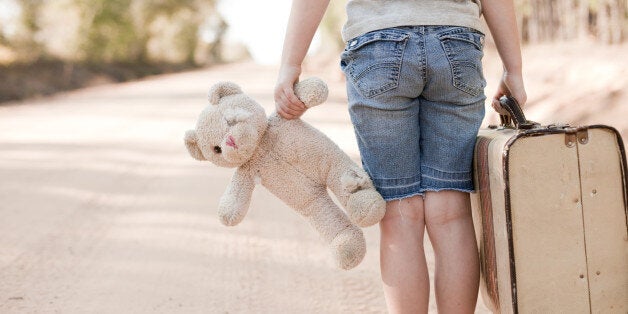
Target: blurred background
(574, 50)
(123, 39)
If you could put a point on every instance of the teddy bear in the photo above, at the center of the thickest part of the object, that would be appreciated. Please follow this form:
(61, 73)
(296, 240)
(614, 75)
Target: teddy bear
(293, 160)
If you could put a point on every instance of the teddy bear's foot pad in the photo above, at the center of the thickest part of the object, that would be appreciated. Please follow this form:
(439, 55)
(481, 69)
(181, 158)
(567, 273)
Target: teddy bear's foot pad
(349, 247)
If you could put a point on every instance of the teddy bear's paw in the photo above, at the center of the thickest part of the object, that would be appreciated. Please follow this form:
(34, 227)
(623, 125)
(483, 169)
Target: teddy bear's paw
(349, 247)
(230, 218)
(366, 207)
(228, 213)
(311, 91)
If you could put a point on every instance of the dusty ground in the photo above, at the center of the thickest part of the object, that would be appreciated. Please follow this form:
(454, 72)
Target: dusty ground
(103, 211)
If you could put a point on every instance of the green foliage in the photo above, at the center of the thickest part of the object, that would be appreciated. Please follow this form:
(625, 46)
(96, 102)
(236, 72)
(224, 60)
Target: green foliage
(175, 23)
(106, 31)
(48, 46)
(25, 43)
(109, 31)
(30, 12)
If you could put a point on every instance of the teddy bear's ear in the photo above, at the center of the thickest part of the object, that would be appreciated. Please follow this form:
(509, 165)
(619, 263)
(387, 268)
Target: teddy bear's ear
(311, 91)
(222, 89)
(192, 145)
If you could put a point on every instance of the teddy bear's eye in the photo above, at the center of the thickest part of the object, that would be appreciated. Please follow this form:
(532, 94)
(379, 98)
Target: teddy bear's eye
(217, 149)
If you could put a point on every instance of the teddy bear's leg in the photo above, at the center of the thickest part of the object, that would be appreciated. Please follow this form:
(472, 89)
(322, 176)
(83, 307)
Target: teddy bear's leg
(349, 247)
(357, 194)
(345, 239)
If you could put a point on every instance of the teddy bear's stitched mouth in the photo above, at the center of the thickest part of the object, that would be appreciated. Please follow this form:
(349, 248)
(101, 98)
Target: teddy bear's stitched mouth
(231, 142)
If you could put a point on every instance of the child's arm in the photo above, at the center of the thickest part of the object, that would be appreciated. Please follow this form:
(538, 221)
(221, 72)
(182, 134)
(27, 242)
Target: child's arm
(501, 20)
(305, 17)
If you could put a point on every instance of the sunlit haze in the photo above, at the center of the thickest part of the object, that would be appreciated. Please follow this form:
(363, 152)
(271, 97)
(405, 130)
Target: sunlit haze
(259, 25)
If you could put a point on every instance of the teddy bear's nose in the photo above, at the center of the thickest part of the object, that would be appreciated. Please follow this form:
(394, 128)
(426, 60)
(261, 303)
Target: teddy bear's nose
(231, 142)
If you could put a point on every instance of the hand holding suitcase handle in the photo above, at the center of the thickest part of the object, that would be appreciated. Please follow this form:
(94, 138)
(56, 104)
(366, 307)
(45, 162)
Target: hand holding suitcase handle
(515, 114)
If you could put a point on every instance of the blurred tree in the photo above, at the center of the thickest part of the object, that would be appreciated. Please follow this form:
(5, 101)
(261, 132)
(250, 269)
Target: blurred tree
(551, 20)
(108, 32)
(175, 25)
(43, 43)
(141, 31)
(103, 31)
(30, 12)
(25, 41)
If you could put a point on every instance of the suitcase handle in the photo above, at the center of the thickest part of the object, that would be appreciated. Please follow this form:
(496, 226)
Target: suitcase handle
(515, 114)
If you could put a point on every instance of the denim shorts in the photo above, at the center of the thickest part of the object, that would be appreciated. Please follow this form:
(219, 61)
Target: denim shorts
(416, 100)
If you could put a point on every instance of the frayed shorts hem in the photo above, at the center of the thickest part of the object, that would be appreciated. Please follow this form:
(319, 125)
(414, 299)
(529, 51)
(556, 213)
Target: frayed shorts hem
(403, 196)
(448, 189)
(431, 180)
(422, 193)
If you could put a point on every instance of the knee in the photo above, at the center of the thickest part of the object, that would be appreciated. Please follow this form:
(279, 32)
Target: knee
(447, 208)
(448, 216)
(404, 213)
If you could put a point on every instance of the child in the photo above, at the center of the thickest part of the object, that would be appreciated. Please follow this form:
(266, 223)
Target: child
(416, 100)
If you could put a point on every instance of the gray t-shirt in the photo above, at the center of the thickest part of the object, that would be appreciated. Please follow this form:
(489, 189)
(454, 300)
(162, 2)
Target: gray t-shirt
(364, 16)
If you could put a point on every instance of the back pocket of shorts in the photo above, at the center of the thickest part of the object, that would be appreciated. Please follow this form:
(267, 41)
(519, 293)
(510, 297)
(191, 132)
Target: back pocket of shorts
(373, 61)
(464, 53)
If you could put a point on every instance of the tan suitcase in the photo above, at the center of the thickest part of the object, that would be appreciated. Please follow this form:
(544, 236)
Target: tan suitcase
(550, 218)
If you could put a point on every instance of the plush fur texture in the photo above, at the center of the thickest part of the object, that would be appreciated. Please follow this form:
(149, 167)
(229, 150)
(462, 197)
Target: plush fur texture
(293, 160)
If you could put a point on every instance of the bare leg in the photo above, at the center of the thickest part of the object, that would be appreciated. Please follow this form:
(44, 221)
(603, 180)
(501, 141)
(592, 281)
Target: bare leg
(402, 258)
(450, 228)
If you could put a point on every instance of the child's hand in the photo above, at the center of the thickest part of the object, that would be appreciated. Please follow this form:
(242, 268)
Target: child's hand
(510, 85)
(287, 103)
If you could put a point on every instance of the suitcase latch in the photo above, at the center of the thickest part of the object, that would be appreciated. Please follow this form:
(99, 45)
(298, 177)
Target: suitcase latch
(583, 136)
(570, 139)
(577, 137)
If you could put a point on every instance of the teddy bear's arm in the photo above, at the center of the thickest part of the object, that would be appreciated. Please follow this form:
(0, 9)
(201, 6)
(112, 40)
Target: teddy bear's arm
(234, 203)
